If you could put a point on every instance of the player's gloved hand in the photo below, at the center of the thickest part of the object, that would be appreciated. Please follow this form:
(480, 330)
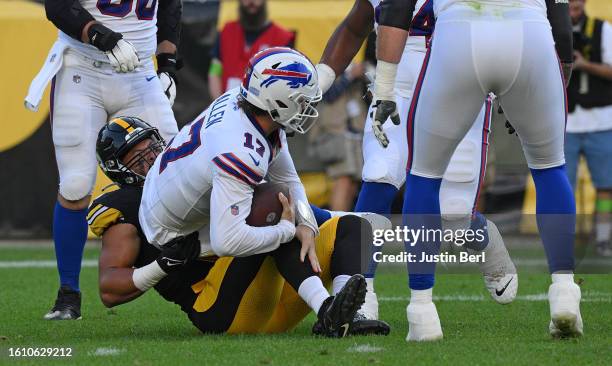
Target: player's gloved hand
(121, 54)
(385, 109)
(167, 66)
(178, 252)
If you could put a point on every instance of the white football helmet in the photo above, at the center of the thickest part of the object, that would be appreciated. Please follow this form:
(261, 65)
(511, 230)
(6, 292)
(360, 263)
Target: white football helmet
(283, 82)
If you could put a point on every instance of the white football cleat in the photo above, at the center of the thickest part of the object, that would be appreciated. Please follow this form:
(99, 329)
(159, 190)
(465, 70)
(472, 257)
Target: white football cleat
(369, 309)
(499, 273)
(423, 322)
(564, 300)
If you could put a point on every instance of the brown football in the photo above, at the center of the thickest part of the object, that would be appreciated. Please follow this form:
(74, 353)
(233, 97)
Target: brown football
(266, 209)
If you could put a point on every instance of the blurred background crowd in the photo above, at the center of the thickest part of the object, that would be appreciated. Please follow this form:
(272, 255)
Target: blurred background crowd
(217, 40)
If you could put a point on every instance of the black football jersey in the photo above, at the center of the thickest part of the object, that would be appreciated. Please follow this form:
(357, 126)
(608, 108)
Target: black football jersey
(121, 207)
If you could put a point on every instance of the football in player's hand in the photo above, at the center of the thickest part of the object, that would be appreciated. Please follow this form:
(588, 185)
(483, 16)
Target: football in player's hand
(266, 209)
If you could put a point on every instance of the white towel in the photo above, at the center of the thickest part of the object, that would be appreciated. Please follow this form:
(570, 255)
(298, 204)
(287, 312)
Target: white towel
(52, 65)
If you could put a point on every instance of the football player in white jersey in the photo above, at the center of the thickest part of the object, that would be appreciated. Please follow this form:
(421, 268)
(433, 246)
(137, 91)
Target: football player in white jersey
(101, 67)
(507, 48)
(386, 153)
(204, 179)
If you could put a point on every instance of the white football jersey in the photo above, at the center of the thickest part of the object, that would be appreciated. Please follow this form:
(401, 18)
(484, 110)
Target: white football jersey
(482, 5)
(204, 181)
(135, 19)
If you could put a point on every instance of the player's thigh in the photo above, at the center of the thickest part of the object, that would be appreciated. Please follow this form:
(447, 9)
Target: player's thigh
(535, 103)
(237, 296)
(148, 102)
(386, 165)
(291, 309)
(598, 153)
(465, 173)
(446, 101)
(572, 150)
(77, 115)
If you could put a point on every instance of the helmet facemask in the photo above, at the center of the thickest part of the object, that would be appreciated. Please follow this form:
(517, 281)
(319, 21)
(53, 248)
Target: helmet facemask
(132, 172)
(299, 117)
(142, 162)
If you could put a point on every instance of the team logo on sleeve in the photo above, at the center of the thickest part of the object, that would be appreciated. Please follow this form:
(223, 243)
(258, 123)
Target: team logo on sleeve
(295, 74)
(234, 210)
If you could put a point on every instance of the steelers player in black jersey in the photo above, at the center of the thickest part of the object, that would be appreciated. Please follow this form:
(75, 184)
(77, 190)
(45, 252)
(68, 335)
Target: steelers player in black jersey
(255, 294)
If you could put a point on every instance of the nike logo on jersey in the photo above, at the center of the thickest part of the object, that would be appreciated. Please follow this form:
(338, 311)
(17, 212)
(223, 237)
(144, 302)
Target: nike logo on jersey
(256, 162)
(150, 78)
(501, 292)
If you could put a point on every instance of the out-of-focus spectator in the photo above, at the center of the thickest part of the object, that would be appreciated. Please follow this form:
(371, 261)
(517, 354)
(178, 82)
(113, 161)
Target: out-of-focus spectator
(589, 125)
(239, 41)
(336, 138)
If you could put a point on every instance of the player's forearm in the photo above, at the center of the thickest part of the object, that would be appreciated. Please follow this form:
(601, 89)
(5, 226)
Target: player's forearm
(243, 240)
(387, 44)
(342, 47)
(166, 47)
(169, 15)
(603, 71)
(117, 287)
(70, 17)
(394, 24)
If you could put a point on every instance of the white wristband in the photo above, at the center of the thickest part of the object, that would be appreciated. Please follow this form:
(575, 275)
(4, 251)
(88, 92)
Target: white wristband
(288, 230)
(385, 80)
(148, 276)
(326, 76)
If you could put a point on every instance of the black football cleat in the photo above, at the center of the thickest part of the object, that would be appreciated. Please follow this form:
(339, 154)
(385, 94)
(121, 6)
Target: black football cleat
(337, 312)
(360, 326)
(67, 305)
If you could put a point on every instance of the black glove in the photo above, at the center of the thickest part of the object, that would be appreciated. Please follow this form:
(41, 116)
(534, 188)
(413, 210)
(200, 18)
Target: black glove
(178, 252)
(384, 109)
(102, 37)
(169, 63)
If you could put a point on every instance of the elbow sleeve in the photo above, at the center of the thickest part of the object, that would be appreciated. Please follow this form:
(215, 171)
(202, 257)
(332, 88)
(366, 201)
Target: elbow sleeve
(558, 16)
(69, 16)
(396, 13)
(169, 21)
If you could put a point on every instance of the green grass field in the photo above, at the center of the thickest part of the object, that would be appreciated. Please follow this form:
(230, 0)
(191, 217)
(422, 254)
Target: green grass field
(150, 331)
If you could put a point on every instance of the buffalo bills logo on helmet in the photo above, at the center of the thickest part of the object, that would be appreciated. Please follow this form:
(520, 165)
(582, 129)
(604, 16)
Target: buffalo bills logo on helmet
(295, 74)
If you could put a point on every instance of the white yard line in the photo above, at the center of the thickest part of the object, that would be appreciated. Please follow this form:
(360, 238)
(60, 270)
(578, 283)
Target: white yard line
(42, 264)
(106, 351)
(363, 348)
(586, 297)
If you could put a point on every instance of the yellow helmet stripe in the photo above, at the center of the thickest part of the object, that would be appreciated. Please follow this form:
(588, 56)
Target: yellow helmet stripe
(126, 126)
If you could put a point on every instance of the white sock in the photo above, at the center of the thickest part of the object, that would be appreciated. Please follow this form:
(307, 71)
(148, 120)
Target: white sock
(338, 283)
(602, 231)
(421, 296)
(313, 292)
(562, 277)
(370, 284)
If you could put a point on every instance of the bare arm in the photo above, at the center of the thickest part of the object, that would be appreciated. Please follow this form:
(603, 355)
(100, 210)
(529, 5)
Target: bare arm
(120, 247)
(601, 70)
(346, 40)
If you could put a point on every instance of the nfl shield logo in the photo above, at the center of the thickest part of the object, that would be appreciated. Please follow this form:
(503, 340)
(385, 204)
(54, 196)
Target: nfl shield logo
(234, 210)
